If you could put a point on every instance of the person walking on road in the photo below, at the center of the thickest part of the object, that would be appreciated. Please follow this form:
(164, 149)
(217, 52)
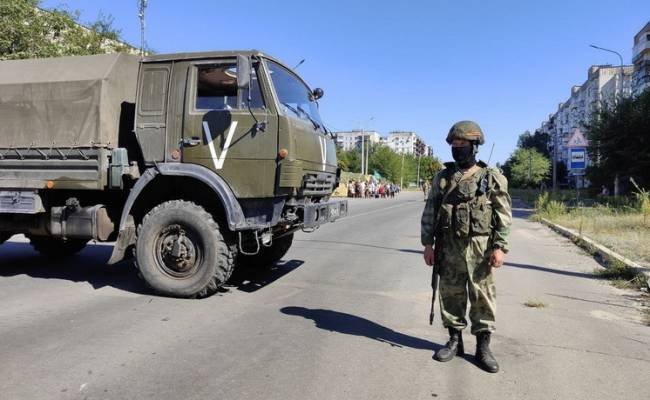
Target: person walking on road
(464, 230)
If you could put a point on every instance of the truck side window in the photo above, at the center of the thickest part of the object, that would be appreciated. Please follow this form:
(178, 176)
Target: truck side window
(216, 88)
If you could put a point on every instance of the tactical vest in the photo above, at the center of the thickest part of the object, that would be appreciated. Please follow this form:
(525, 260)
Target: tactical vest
(465, 208)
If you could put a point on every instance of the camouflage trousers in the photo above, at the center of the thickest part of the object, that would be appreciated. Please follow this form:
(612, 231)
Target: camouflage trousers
(465, 273)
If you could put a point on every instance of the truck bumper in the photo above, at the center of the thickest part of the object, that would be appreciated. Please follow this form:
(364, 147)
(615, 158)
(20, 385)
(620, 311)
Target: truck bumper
(317, 214)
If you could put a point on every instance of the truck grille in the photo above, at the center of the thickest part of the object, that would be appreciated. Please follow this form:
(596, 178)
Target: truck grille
(317, 184)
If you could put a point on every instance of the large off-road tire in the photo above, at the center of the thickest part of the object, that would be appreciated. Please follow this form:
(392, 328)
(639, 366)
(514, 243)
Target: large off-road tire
(267, 256)
(180, 251)
(56, 247)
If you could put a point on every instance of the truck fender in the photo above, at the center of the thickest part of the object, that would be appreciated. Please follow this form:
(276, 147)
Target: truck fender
(233, 211)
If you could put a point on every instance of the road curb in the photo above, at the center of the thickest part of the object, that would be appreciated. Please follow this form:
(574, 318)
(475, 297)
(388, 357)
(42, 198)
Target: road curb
(595, 247)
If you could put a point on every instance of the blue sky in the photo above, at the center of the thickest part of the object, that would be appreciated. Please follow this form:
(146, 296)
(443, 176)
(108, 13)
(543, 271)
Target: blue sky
(412, 65)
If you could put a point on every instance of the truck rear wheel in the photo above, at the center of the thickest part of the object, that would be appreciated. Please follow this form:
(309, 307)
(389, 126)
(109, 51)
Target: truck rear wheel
(267, 256)
(57, 247)
(180, 251)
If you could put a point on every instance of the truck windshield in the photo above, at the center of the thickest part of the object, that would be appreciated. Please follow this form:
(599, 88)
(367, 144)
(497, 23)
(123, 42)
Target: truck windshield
(295, 97)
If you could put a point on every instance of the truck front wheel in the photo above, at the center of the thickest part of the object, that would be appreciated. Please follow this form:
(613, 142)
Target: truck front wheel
(267, 256)
(180, 251)
(57, 247)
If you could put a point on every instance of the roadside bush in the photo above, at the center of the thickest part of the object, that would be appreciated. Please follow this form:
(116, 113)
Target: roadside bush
(547, 208)
(642, 198)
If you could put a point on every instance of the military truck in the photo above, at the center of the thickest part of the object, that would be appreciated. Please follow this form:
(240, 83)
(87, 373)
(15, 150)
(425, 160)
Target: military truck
(194, 163)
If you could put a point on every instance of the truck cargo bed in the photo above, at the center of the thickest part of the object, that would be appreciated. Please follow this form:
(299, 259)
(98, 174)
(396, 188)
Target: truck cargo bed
(66, 101)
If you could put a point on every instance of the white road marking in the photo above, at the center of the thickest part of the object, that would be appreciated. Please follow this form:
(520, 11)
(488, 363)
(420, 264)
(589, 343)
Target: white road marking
(218, 161)
(375, 211)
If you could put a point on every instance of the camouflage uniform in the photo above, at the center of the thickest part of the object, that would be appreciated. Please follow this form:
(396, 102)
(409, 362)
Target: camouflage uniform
(473, 220)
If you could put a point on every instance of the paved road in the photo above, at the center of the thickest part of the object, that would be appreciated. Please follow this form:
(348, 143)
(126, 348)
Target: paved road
(343, 317)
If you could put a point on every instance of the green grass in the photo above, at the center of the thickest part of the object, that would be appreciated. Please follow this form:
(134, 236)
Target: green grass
(535, 304)
(623, 232)
(622, 276)
(624, 227)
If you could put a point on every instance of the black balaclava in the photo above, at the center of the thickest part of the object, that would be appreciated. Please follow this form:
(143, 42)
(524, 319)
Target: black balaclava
(465, 156)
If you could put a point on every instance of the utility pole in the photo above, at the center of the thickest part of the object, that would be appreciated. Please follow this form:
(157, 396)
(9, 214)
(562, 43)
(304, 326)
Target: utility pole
(419, 158)
(367, 154)
(401, 179)
(554, 161)
(142, 6)
(530, 166)
(363, 153)
(365, 150)
(616, 184)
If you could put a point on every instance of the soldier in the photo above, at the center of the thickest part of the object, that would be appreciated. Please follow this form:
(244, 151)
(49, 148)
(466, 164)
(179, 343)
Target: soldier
(464, 230)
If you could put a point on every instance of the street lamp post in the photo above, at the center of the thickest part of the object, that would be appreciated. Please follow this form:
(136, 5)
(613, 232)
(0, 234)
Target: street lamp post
(365, 153)
(620, 57)
(401, 178)
(554, 159)
(616, 189)
(419, 158)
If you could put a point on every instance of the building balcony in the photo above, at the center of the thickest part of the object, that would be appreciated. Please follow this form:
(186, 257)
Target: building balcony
(639, 50)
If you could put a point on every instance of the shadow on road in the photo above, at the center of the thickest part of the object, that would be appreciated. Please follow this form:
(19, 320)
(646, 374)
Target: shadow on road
(360, 245)
(551, 270)
(522, 213)
(348, 324)
(411, 251)
(250, 279)
(89, 265)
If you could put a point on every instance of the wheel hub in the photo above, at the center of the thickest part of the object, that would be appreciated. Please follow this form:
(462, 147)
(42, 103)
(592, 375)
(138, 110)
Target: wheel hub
(176, 252)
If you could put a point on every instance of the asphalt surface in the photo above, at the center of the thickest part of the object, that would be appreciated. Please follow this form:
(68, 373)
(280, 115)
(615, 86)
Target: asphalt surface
(344, 316)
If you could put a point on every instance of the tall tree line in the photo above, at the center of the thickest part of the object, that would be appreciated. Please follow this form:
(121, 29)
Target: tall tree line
(619, 143)
(389, 164)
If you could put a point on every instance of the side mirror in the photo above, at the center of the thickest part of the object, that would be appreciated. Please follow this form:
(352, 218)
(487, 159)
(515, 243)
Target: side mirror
(243, 72)
(317, 93)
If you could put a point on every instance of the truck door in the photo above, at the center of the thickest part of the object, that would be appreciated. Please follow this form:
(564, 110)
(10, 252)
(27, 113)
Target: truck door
(150, 124)
(219, 128)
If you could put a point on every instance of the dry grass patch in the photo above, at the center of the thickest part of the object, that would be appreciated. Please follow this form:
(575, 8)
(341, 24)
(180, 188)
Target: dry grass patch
(627, 233)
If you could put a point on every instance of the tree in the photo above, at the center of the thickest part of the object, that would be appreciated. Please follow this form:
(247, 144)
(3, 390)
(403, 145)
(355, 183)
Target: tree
(538, 141)
(527, 168)
(349, 160)
(27, 31)
(429, 167)
(619, 144)
(386, 162)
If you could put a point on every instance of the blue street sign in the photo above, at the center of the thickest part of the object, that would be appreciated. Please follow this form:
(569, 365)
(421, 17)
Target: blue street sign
(578, 158)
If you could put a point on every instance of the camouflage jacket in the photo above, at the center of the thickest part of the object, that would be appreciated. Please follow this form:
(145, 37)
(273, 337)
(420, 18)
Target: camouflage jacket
(483, 209)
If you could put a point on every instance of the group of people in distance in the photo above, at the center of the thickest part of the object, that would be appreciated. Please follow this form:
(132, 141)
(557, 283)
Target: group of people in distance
(371, 189)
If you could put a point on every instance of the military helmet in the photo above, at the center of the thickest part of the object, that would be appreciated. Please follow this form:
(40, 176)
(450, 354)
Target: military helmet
(467, 130)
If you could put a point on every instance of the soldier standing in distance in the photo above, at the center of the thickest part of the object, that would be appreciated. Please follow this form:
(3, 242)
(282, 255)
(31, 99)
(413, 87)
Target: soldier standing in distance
(464, 231)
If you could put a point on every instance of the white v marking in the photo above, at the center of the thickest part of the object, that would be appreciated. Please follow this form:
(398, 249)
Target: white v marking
(218, 161)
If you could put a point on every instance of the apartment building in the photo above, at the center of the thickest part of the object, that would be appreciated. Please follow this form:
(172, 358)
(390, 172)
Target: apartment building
(641, 60)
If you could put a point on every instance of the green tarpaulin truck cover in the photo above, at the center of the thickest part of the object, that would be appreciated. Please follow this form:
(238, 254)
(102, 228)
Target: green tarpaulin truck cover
(65, 101)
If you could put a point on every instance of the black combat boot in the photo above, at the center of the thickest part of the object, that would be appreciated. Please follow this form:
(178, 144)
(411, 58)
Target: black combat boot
(453, 347)
(483, 354)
